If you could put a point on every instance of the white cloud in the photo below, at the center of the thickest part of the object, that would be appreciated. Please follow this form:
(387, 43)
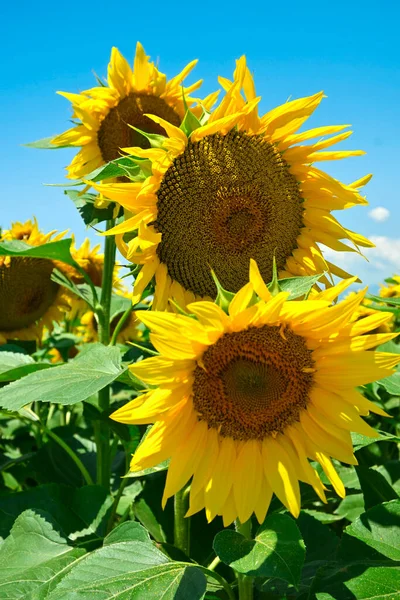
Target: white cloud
(382, 261)
(380, 214)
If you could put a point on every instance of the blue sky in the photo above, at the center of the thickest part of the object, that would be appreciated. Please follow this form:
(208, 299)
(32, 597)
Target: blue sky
(348, 49)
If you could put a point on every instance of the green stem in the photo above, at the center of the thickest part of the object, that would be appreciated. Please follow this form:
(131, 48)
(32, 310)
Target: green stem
(214, 564)
(245, 583)
(71, 453)
(219, 578)
(102, 432)
(117, 498)
(182, 524)
(120, 325)
(103, 310)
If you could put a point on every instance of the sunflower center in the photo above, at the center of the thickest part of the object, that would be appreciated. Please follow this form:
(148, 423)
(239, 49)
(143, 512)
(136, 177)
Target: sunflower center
(225, 200)
(26, 292)
(115, 133)
(253, 383)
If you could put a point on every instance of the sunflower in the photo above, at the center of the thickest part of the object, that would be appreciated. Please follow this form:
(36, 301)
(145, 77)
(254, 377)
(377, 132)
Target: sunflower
(237, 187)
(242, 401)
(131, 330)
(105, 115)
(392, 290)
(29, 299)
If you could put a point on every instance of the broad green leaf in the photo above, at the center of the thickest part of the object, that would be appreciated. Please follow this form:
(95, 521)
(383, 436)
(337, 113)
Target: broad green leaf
(34, 557)
(129, 531)
(171, 581)
(277, 550)
(391, 384)
(359, 582)
(298, 286)
(92, 504)
(23, 371)
(119, 568)
(321, 516)
(391, 472)
(74, 382)
(375, 487)
(351, 507)
(119, 304)
(321, 546)
(52, 250)
(13, 360)
(379, 528)
(362, 441)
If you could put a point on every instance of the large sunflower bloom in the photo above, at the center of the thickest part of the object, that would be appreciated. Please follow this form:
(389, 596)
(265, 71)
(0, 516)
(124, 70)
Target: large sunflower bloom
(243, 400)
(238, 187)
(104, 115)
(29, 299)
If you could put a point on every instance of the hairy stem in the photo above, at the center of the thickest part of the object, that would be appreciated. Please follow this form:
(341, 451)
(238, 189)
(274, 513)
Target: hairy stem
(182, 524)
(103, 314)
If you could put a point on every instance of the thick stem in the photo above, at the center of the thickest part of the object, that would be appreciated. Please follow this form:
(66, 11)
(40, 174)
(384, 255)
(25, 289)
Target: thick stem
(245, 583)
(107, 286)
(103, 314)
(182, 524)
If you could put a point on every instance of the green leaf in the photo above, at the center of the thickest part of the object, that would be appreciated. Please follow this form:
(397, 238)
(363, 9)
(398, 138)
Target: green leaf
(13, 360)
(44, 144)
(172, 581)
(391, 472)
(161, 467)
(298, 286)
(381, 300)
(34, 557)
(92, 504)
(190, 123)
(374, 486)
(277, 550)
(379, 529)
(82, 290)
(125, 570)
(18, 373)
(85, 203)
(145, 515)
(351, 507)
(120, 167)
(119, 304)
(359, 582)
(391, 384)
(52, 251)
(74, 382)
(362, 441)
(129, 531)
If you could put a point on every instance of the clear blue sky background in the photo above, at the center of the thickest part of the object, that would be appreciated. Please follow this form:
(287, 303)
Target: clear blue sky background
(348, 49)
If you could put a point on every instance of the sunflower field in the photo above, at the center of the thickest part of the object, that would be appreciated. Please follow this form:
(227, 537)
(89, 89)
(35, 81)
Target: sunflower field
(202, 405)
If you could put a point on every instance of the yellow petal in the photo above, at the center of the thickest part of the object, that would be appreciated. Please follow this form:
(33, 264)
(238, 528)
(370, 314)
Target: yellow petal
(247, 479)
(220, 483)
(281, 475)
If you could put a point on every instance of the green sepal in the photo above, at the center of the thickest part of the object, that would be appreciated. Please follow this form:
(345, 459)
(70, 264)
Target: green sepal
(190, 123)
(274, 287)
(224, 298)
(155, 140)
(45, 144)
